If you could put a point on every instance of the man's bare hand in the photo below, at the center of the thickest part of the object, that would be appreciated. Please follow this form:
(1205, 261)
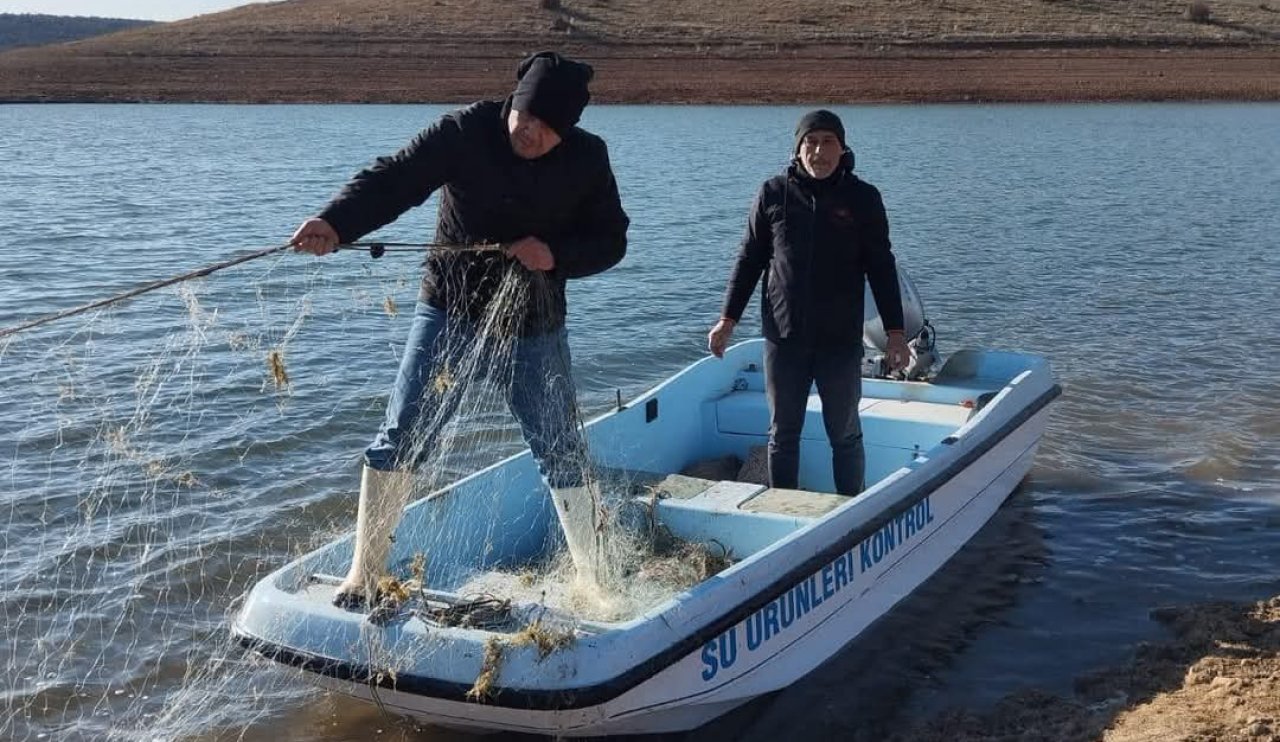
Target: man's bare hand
(315, 236)
(532, 253)
(896, 354)
(718, 338)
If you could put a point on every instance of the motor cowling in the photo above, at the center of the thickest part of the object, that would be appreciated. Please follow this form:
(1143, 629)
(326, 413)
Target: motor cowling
(918, 331)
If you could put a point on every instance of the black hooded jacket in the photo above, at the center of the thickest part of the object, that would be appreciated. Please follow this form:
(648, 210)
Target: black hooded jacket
(814, 241)
(568, 198)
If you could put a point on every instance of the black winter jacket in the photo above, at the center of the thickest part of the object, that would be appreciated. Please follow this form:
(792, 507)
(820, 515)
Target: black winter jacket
(568, 198)
(814, 241)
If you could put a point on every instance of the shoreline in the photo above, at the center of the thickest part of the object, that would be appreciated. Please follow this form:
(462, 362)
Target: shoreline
(809, 74)
(1216, 678)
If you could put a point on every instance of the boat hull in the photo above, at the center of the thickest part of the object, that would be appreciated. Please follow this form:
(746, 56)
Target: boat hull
(804, 588)
(683, 697)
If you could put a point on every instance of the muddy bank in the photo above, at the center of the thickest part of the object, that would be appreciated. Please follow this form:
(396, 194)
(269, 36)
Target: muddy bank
(961, 73)
(1217, 678)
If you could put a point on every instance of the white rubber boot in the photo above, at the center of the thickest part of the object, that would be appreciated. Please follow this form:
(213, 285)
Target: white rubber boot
(581, 520)
(383, 495)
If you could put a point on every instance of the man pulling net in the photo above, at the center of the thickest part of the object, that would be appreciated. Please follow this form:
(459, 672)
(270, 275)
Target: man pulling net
(517, 172)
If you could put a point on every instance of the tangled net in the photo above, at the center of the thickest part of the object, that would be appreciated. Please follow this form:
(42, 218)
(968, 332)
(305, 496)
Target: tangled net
(165, 454)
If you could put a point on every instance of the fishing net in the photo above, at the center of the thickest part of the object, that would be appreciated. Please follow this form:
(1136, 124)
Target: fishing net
(176, 448)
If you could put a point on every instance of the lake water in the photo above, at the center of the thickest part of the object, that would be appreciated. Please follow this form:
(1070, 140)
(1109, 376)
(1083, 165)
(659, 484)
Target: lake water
(1132, 245)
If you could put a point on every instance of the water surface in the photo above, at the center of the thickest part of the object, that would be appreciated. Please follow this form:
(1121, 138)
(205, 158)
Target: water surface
(1132, 245)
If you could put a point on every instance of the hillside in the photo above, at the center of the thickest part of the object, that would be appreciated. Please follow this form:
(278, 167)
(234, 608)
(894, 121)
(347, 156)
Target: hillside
(677, 50)
(28, 29)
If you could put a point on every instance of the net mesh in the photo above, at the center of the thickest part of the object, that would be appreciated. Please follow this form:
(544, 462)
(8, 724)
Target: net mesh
(178, 447)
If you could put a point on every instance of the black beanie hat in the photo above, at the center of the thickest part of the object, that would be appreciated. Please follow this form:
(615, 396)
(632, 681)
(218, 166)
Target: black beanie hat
(553, 88)
(819, 120)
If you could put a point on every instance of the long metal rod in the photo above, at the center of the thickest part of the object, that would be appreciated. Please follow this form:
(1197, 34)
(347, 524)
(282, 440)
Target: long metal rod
(374, 248)
(427, 246)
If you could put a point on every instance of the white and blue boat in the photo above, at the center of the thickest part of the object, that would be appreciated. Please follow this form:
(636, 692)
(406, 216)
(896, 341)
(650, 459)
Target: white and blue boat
(811, 570)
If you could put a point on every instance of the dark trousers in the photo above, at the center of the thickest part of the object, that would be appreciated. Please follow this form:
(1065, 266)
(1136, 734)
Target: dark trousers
(789, 370)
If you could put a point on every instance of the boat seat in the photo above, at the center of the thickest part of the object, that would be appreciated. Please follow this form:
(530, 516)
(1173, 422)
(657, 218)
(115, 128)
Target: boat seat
(729, 495)
(667, 486)
(884, 421)
(794, 502)
(742, 517)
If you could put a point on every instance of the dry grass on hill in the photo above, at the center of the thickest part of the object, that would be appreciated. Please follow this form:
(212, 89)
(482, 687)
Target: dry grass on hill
(644, 23)
(678, 51)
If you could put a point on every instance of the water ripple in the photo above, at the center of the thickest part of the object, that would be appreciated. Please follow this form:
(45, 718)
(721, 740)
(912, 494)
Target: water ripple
(154, 471)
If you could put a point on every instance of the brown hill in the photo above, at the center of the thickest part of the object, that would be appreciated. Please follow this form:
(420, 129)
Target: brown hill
(678, 50)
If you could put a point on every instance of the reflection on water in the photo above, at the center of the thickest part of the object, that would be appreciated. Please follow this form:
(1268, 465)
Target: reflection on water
(1131, 245)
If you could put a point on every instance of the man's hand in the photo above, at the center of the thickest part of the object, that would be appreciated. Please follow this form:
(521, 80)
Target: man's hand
(718, 338)
(532, 253)
(316, 237)
(896, 354)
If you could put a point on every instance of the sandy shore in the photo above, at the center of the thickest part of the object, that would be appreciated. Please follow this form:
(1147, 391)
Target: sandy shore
(1216, 680)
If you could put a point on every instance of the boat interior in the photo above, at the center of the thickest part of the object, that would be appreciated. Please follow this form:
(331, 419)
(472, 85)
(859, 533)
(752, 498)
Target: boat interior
(747, 516)
(508, 522)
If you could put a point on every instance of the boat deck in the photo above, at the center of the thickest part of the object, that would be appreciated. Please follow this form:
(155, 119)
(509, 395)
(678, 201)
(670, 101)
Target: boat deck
(729, 495)
(895, 431)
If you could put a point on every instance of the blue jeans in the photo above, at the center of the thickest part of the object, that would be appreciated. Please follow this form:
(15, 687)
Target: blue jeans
(538, 388)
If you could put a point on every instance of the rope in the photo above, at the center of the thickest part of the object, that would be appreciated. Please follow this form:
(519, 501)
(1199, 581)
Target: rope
(375, 249)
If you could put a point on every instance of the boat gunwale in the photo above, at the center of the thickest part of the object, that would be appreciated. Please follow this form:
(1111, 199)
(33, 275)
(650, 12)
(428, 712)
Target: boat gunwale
(569, 699)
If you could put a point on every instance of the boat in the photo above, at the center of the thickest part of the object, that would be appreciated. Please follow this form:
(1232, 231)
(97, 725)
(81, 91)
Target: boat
(807, 571)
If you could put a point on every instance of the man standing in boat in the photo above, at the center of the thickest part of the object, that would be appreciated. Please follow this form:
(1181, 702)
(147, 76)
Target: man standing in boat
(519, 173)
(814, 233)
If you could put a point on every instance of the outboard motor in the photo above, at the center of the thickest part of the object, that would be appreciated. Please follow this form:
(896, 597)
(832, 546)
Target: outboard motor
(920, 334)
